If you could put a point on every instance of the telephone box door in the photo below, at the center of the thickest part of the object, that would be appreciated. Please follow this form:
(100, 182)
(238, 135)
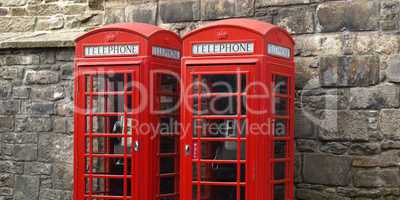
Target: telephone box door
(107, 140)
(218, 158)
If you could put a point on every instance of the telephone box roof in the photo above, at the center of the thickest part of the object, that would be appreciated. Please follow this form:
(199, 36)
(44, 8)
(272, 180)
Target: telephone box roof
(259, 27)
(145, 30)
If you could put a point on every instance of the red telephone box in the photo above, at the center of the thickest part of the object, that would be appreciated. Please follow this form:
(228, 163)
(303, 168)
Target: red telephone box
(126, 94)
(237, 112)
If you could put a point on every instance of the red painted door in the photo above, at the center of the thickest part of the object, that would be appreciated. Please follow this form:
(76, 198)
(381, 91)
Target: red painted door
(218, 161)
(106, 136)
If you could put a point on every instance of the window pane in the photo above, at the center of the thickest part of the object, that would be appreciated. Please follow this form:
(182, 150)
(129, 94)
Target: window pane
(167, 165)
(221, 192)
(108, 145)
(167, 186)
(281, 106)
(281, 85)
(279, 192)
(279, 170)
(112, 166)
(281, 128)
(222, 150)
(222, 128)
(280, 149)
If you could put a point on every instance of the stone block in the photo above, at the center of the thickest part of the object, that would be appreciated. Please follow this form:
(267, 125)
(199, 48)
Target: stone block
(306, 71)
(267, 3)
(5, 89)
(4, 11)
(327, 170)
(365, 43)
(96, 4)
(304, 126)
(389, 15)
(217, 9)
(41, 77)
(40, 108)
(11, 73)
(60, 124)
(37, 168)
(55, 148)
(393, 70)
(49, 23)
(7, 180)
(346, 125)
(144, 13)
(65, 54)
(365, 149)
(74, 9)
(6, 123)
(11, 3)
(16, 24)
(62, 176)
(337, 148)
(49, 93)
(19, 138)
(26, 187)
(11, 167)
(359, 15)
(314, 45)
(9, 107)
(389, 123)
(189, 10)
(389, 158)
(29, 59)
(25, 152)
(376, 178)
(296, 20)
(389, 144)
(53, 194)
(245, 8)
(33, 124)
(114, 15)
(44, 9)
(341, 71)
(18, 11)
(378, 97)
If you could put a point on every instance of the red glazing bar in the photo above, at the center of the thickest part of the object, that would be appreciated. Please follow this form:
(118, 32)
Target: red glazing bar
(106, 197)
(108, 135)
(105, 93)
(219, 161)
(167, 175)
(239, 131)
(234, 184)
(90, 137)
(107, 155)
(218, 116)
(107, 122)
(125, 129)
(167, 195)
(108, 176)
(220, 139)
(199, 110)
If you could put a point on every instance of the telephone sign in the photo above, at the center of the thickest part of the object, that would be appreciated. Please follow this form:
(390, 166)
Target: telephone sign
(112, 50)
(222, 48)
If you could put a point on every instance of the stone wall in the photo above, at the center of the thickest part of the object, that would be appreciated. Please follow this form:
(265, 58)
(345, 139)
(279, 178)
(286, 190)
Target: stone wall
(348, 85)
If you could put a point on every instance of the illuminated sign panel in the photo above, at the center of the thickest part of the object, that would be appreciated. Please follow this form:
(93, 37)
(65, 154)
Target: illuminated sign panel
(112, 50)
(223, 48)
(276, 50)
(166, 52)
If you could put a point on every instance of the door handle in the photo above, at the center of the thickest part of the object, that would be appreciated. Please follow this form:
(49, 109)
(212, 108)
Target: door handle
(187, 150)
(136, 146)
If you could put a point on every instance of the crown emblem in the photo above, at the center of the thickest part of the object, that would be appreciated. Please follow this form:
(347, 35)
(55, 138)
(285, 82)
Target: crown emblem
(221, 35)
(111, 37)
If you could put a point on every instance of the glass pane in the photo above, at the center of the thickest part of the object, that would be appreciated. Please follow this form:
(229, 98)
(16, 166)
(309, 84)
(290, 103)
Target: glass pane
(109, 145)
(167, 165)
(281, 128)
(111, 187)
(221, 172)
(281, 106)
(114, 166)
(109, 103)
(167, 144)
(225, 128)
(280, 149)
(279, 170)
(167, 186)
(168, 83)
(110, 82)
(222, 150)
(168, 124)
(221, 192)
(281, 85)
(168, 104)
(109, 124)
(279, 192)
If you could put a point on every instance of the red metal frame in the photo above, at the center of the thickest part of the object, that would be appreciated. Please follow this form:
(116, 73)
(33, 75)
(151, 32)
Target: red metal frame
(137, 178)
(261, 144)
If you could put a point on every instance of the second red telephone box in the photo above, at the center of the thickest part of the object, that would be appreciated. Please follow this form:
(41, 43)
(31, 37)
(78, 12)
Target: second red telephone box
(126, 94)
(237, 112)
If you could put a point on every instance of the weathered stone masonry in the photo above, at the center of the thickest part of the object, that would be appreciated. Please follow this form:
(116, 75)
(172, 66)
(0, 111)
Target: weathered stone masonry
(348, 63)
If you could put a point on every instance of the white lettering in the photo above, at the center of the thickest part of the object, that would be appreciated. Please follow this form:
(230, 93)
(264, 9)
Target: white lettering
(112, 50)
(166, 52)
(276, 50)
(222, 48)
